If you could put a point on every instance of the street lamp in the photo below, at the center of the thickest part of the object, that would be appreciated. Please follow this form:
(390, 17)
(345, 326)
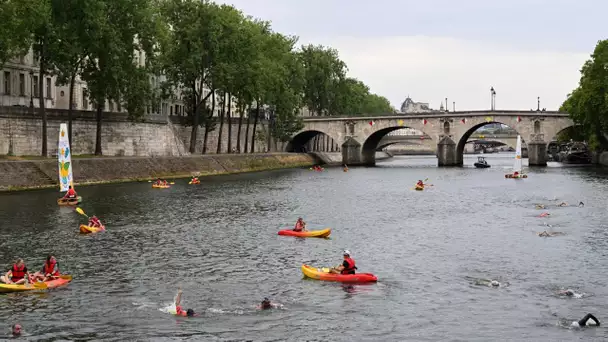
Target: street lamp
(492, 98)
(31, 88)
(538, 104)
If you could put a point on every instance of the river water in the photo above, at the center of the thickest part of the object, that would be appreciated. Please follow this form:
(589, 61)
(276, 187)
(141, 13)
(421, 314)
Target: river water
(218, 242)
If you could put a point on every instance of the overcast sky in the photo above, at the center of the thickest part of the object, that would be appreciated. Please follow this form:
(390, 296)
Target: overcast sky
(433, 49)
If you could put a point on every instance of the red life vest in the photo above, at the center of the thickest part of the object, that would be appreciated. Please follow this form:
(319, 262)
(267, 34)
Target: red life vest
(299, 226)
(18, 273)
(71, 193)
(50, 268)
(351, 266)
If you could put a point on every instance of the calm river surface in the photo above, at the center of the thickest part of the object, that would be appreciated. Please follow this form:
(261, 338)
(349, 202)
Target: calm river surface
(219, 242)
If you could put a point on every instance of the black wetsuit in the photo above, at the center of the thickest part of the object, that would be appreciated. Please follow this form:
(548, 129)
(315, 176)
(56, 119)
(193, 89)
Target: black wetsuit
(584, 320)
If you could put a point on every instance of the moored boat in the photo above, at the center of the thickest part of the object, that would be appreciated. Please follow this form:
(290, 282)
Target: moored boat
(323, 274)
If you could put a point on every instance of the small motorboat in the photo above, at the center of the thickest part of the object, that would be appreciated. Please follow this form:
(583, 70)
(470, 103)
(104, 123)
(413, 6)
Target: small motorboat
(481, 163)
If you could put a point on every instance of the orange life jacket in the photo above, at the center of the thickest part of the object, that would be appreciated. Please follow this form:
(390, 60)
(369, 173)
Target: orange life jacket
(18, 273)
(50, 268)
(351, 266)
(71, 193)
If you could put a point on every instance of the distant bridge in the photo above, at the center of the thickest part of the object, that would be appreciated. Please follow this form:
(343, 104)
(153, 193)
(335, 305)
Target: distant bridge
(358, 137)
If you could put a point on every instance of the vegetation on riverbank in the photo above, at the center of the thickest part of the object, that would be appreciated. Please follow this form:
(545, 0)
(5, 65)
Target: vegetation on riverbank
(588, 103)
(190, 46)
(42, 173)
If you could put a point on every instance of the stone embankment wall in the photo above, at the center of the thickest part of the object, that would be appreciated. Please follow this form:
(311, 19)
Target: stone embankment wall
(43, 173)
(21, 134)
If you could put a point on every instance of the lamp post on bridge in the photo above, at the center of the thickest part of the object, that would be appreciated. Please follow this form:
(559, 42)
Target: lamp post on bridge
(538, 104)
(492, 99)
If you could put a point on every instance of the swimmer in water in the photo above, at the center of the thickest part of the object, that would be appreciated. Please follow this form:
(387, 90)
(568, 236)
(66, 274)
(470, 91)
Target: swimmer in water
(583, 322)
(569, 293)
(581, 204)
(17, 330)
(545, 214)
(547, 234)
(540, 206)
(266, 304)
(486, 282)
(563, 204)
(179, 311)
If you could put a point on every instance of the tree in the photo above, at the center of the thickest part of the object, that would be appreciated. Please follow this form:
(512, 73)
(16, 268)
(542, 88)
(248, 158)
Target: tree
(188, 53)
(323, 73)
(111, 44)
(588, 103)
(19, 18)
(68, 52)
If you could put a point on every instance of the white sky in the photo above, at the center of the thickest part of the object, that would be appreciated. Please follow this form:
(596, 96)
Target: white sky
(457, 49)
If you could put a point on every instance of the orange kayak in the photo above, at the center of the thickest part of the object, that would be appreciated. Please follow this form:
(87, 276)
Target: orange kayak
(84, 229)
(313, 233)
(323, 274)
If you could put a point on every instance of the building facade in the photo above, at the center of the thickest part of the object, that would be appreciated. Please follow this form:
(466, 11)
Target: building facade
(20, 83)
(409, 106)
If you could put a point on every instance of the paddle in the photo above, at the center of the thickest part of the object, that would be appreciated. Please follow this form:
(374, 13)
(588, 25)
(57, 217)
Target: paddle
(81, 212)
(172, 183)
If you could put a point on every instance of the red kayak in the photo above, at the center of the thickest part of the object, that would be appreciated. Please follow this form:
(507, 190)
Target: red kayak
(312, 233)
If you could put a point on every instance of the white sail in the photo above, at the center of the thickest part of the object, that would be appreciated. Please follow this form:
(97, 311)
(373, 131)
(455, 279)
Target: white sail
(517, 165)
(64, 156)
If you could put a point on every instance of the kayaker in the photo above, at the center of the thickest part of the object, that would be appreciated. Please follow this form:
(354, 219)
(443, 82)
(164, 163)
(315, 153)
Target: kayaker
(583, 322)
(178, 309)
(17, 274)
(94, 222)
(420, 183)
(194, 180)
(71, 193)
(515, 174)
(49, 270)
(347, 267)
(158, 181)
(300, 225)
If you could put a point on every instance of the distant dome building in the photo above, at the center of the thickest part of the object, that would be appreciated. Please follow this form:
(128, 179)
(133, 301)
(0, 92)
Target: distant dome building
(409, 106)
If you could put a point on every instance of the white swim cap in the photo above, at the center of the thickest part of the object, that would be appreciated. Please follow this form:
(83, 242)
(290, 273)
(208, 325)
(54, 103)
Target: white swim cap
(495, 283)
(346, 252)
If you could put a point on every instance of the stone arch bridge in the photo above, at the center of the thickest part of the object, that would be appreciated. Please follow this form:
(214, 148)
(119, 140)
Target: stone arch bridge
(359, 137)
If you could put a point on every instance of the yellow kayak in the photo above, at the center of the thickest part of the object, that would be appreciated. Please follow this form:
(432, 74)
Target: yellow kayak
(313, 233)
(156, 186)
(62, 280)
(84, 229)
(419, 188)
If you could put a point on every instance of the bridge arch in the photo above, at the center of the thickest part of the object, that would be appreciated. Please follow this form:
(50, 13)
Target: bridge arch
(372, 143)
(464, 139)
(301, 142)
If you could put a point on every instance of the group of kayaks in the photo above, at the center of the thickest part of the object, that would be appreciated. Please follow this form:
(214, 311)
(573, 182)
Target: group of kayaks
(163, 184)
(43, 285)
(324, 272)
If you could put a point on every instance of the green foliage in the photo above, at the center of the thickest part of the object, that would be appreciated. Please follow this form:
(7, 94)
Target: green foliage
(588, 103)
(19, 19)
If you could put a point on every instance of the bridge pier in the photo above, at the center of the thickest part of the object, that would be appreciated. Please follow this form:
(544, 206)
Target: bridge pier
(537, 153)
(351, 152)
(446, 152)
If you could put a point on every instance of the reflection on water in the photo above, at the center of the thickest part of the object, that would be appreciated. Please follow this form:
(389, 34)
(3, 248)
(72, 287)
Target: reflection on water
(219, 242)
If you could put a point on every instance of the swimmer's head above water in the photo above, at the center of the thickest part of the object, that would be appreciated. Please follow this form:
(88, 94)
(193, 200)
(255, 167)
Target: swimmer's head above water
(494, 283)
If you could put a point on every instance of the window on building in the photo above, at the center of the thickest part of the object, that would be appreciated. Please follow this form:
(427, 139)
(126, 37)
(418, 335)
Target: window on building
(171, 110)
(48, 87)
(7, 82)
(111, 106)
(119, 106)
(36, 57)
(22, 84)
(85, 103)
(36, 87)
